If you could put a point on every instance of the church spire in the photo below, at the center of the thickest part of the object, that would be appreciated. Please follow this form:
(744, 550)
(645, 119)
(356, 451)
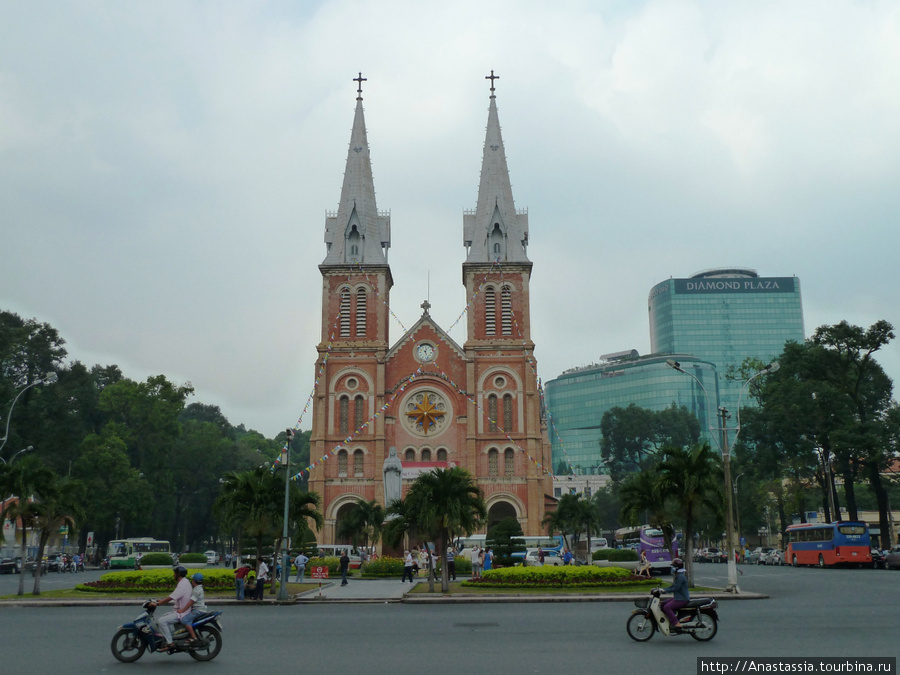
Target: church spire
(495, 231)
(357, 234)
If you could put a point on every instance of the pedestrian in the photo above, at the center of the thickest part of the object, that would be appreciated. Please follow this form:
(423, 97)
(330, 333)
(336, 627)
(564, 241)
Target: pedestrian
(300, 561)
(476, 562)
(345, 566)
(488, 560)
(451, 564)
(240, 575)
(540, 555)
(262, 575)
(644, 570)
(407, 567)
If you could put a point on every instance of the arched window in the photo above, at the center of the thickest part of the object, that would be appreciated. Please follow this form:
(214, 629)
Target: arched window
(490, 312)
(492, 413)
(506, 310)
(442, 455)
(497, 238)
(342, 463)
(426, 455)
(353, 240)
(493, 457)
(359, 412)
(358, 463)
(410, 455)
(345, 312)
(507, 413)
(509, 462)
(361, 312)
(344, 421)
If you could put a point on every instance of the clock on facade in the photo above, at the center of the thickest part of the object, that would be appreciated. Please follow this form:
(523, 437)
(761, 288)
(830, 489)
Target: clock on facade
(425, 352)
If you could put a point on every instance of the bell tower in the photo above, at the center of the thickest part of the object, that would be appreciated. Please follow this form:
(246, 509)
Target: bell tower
(507, 422)
(356, 284)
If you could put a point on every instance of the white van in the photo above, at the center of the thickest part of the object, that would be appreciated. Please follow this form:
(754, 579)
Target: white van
(335, 550)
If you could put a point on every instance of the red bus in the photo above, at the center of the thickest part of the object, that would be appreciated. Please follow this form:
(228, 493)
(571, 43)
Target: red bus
(826, 544)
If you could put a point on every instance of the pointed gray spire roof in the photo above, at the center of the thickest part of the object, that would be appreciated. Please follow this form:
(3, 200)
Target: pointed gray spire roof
(357, 233)
(494, 230)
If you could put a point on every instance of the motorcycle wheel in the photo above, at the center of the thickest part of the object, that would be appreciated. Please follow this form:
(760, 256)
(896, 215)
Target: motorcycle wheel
(640, 627)
(213, 638)
(126, 646)
(707, 627)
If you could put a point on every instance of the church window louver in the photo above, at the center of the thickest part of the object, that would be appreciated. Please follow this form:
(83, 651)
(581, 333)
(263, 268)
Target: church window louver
(361, 312)
(506, 309)
(492, 413)
(490, 312)
(345, 312)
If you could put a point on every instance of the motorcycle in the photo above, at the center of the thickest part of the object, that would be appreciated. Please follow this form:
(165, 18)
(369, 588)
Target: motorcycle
(132, 639)
(698, 619)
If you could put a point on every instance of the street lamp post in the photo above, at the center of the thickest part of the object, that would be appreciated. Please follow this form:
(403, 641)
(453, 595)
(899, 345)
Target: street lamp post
(49, 378)
(726, 462)
(28, 449)
(285, 570)
(737, 507)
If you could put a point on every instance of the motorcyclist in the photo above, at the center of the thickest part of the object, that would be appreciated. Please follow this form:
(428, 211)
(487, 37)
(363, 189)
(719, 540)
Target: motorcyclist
(681, 595)
(181, 598)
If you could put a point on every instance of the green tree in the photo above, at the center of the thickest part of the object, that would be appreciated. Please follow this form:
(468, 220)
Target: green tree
(363, 523)
(633, 436)
(58, 504)
(690, 479)
(500, 539)
(445, 503)
(115, 491)
(21, 480)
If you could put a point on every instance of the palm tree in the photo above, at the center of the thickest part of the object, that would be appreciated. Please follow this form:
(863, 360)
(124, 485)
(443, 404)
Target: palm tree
(253, 503)
(586, 518)
(690, 479)
(364, 522)
(445, 503)
(22, 480)
(59, 504)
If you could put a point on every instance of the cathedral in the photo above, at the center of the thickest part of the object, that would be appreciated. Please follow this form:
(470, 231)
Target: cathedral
(425, 399)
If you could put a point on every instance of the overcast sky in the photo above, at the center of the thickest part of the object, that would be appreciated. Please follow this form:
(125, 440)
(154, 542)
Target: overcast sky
(165, 168)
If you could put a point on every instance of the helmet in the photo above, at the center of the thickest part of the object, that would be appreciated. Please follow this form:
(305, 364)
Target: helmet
(678, 563)
(198, 578)
(180, 571)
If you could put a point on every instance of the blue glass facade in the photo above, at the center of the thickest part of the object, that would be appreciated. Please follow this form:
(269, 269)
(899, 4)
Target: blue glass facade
(576, 401)
(726, 316)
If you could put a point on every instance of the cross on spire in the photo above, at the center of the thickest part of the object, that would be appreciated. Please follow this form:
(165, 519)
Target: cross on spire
(362, 79)
(426, 306)
(492, 77)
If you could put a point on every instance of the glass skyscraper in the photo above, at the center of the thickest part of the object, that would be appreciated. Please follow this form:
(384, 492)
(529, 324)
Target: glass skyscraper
(577, 399)
(725, 316)
(709, 323)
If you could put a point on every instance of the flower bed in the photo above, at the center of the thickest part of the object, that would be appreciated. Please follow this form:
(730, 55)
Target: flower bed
(154, 581)
(555, 577)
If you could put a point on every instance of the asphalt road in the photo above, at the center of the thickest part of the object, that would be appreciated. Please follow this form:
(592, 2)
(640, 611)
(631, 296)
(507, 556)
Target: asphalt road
(811, 612)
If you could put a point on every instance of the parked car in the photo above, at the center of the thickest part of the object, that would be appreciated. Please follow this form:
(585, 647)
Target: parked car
(763, 553)
(212, 558)
(892, 558)
(531, 558)
(53, 562)
(11, 565)
(711, 554)
(752, 557)
(31, 565)
(776, 557)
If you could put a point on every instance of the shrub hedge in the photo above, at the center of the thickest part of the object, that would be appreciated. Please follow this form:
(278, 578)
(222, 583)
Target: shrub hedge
(615, 554)
(157, 559)
(554, 577)
(188, 558)
(155, 581)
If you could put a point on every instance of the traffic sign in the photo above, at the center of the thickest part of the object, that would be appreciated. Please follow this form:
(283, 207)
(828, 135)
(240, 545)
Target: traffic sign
(320, 572)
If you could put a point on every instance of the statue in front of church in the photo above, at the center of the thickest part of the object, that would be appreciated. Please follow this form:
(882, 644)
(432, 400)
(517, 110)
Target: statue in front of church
(392, 471)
